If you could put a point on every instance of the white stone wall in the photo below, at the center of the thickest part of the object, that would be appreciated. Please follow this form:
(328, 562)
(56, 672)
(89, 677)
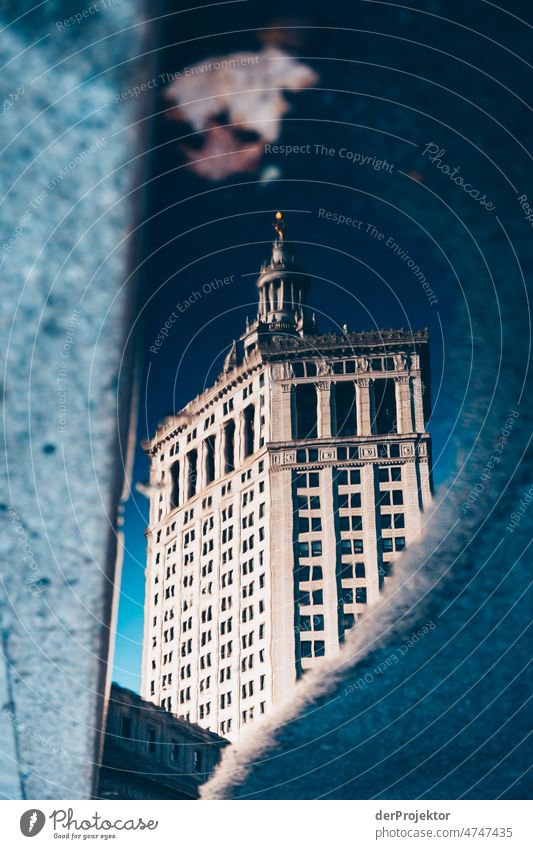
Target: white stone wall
(301, 611)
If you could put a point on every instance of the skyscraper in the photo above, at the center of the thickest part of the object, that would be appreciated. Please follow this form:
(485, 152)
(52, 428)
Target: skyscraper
(280, 497)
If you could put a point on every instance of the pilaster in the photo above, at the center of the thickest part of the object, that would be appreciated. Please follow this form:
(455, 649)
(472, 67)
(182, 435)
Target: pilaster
(364, 406)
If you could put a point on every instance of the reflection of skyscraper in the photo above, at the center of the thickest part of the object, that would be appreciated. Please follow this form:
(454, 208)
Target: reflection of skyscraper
(279, 501)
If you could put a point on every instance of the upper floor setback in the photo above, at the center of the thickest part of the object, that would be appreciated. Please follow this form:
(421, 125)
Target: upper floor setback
(232, 389)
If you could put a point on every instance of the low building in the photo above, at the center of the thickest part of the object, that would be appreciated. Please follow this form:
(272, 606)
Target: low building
(149, 754)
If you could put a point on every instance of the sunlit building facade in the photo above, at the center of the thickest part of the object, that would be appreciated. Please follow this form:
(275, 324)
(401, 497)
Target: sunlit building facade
(280, 498)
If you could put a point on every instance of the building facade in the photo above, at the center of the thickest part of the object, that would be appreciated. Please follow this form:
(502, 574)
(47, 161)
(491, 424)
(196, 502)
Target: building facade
(280, 497)
(149, 754)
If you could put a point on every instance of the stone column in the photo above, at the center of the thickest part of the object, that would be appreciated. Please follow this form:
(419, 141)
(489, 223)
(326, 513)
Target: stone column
(363, 401)
(330, 556)
(257, 429)
(182, 481)
(404, 415)
(220, 446)
(282, 586)
(201, 459)
(324, 408)
(239, 439)
(371, 556)
(280, 413)
(418, 404)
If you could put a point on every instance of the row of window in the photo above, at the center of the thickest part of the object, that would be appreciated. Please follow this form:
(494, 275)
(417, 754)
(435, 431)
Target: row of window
(174, 750)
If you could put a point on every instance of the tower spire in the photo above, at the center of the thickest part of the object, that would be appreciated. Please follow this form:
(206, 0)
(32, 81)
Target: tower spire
(279, 225)
(282, 287)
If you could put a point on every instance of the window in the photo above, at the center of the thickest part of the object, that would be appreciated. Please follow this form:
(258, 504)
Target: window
(400, 543)
(125, 727)
(345, 409)
(397, 496)
(306, 648)
(209, 449)
(229, 447)
(305, 426)
(249, 429)
(360, 595)
(384, 420)
(347, 570)
(316, 548)
(312, 648)
(175, 492)
(359, 570)
(387, 544)
(303, 549)
(318, 597)
(192, 473)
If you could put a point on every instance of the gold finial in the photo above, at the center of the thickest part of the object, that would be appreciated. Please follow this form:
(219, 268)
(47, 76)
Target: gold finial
(279, 225)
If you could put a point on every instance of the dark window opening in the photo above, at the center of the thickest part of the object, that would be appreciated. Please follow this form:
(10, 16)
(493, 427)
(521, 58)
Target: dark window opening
(210, 459)
(306, 411)
(346, 417)
(249, 430)
(384, 407)
(192, 473)
(175, 476)
(229, 447)
(125, 727)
